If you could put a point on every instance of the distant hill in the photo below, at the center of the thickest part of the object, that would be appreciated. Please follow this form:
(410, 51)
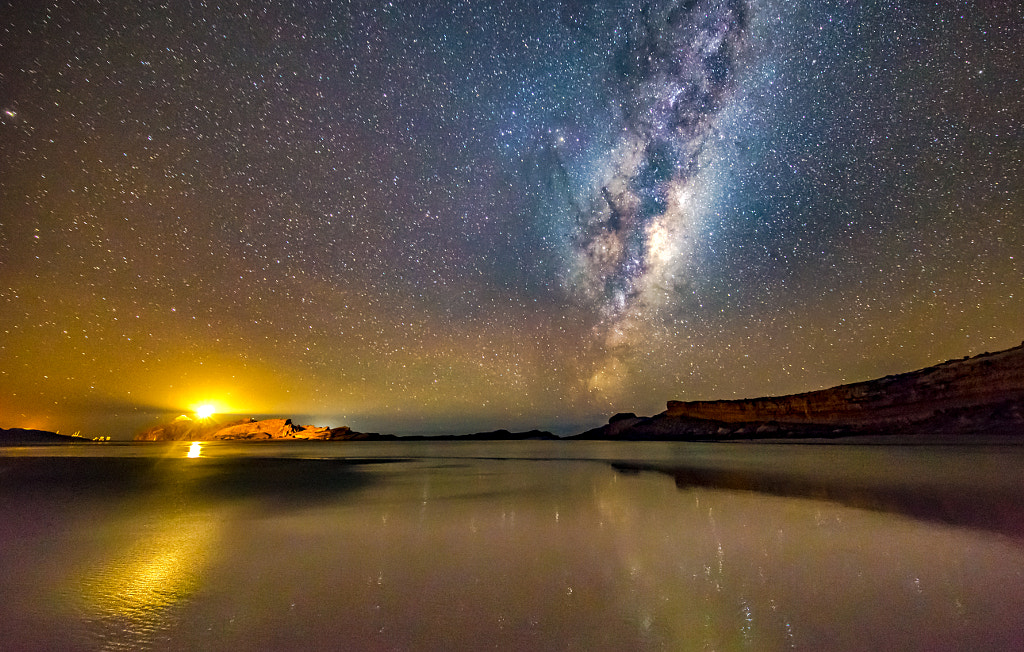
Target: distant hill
(493, 435)
(29, 436)
(959, 399)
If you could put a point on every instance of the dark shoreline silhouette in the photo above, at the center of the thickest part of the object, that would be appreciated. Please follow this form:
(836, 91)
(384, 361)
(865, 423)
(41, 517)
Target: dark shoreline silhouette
(987, 509)
(974, 400)
(15, 436)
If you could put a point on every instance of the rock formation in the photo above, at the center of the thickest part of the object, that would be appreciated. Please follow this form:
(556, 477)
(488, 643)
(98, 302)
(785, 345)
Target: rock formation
(979, 395)
(269, 429)
(10, 436)
(185, 429)
(344, 433)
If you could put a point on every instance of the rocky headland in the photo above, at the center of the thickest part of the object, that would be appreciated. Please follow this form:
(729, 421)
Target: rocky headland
(14, 436)
(956, 400)
(186, 429)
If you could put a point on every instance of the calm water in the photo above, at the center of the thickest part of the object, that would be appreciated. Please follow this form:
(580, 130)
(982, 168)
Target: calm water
(533, 545)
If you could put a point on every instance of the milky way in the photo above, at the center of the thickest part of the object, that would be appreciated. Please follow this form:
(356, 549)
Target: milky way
(669, 79)
(444, 217)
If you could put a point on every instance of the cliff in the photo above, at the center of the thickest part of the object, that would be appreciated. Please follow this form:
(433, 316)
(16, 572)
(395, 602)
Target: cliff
(979, 395)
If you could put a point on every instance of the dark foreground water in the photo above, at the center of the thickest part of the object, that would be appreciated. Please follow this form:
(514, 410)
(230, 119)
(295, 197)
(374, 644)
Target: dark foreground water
(511, 546)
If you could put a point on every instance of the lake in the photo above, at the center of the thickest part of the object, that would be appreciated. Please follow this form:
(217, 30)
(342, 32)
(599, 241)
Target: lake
(511, 546)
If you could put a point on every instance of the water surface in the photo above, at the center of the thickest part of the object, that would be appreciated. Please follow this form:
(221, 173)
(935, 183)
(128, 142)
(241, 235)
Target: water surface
(511, 545)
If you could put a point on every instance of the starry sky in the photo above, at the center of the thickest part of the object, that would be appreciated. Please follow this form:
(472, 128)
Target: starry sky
(443, 217)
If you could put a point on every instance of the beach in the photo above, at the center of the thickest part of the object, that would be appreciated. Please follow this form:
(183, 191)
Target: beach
(510, 545)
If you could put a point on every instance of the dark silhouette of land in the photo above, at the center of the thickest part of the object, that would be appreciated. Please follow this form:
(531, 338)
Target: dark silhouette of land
(14, 436)
(972, 400)
(960, 401)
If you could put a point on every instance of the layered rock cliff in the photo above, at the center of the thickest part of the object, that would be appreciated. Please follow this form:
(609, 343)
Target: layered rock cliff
(979, 395)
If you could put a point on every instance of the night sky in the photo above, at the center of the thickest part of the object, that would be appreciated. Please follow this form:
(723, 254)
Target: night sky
(427, 217)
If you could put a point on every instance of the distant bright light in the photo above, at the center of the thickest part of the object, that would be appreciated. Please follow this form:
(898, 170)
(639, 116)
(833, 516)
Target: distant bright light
(193, 450)
(206, 411)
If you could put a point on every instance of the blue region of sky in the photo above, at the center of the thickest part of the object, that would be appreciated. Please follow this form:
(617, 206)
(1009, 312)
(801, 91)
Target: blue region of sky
(426, 217)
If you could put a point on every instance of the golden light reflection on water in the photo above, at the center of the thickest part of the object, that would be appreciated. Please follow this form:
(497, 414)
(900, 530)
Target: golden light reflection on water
(195, 449)
(131, 599)
(517, 554)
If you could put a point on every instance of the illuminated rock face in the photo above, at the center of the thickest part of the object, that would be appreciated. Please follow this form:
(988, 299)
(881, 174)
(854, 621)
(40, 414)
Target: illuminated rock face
(246, 430)
(267, 429)
(983, 394)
